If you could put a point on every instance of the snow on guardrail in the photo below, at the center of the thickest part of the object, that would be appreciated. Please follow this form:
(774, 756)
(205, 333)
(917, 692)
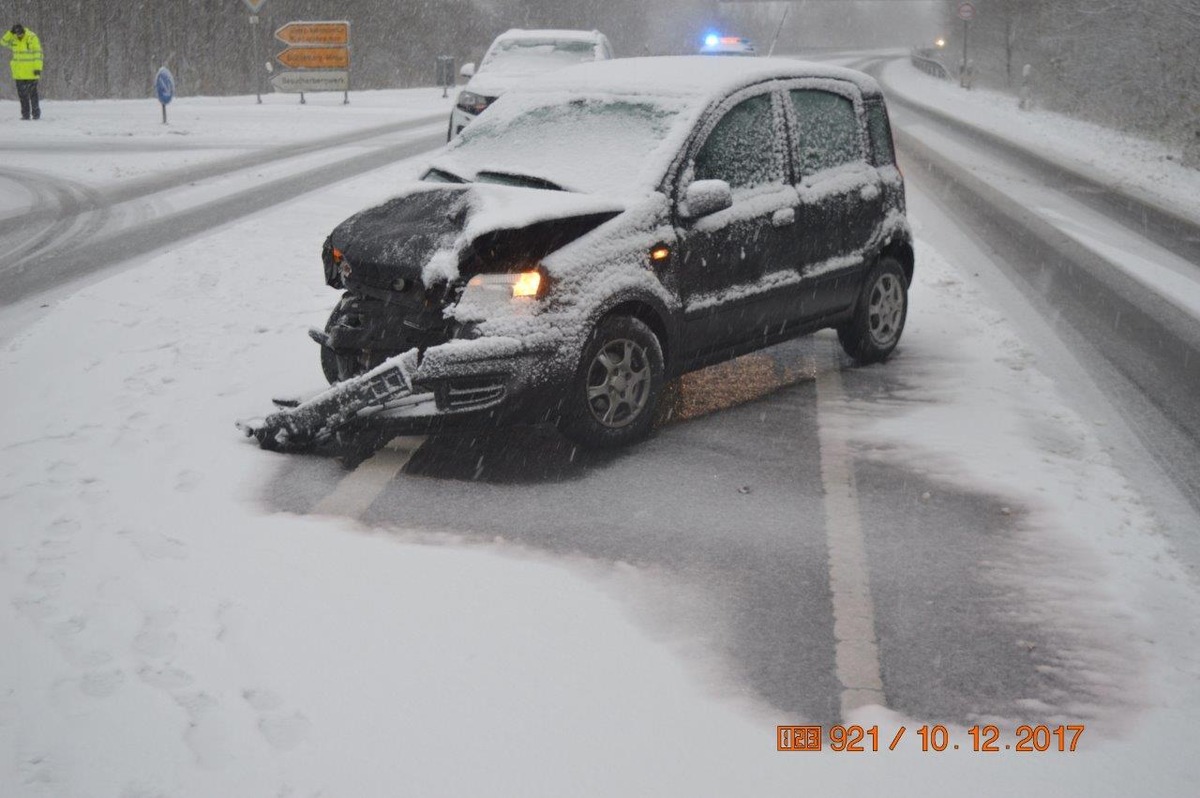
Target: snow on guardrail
(924, 61)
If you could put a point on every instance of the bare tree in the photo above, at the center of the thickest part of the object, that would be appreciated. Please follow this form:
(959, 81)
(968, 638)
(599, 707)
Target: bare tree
(1128, 65)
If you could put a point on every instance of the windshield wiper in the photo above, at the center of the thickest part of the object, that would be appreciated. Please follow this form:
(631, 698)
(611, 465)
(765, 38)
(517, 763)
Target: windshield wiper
(514, 179)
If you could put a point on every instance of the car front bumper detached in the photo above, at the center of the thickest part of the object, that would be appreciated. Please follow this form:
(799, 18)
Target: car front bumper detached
(341, 412)
(460, 383)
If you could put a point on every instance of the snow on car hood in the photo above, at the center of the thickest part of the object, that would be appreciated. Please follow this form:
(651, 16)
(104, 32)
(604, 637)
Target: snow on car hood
(493, 84)
(430, 229)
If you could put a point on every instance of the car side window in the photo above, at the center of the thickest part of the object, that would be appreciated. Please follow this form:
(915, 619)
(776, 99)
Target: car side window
(829, 133)
(741, 148)
(881, 134)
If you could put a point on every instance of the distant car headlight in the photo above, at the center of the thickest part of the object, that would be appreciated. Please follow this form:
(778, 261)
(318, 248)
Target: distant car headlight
(516, 285)
(472, 103)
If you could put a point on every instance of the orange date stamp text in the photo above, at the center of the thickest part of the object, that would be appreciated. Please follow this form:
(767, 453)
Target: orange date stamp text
(987, 739)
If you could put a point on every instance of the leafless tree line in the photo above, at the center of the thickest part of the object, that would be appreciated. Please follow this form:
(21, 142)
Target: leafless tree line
(1131, 65)
(103, 49)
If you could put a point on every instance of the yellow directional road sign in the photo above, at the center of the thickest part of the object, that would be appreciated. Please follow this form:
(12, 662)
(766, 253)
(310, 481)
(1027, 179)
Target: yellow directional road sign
(315, 58)
(328, 33)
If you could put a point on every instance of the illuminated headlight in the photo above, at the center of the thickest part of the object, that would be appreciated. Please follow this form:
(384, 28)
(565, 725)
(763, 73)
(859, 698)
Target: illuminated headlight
(514, 285)
(472, 103)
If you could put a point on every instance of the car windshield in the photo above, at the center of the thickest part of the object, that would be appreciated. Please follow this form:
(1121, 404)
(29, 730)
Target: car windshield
(602, 144)
(537, 55)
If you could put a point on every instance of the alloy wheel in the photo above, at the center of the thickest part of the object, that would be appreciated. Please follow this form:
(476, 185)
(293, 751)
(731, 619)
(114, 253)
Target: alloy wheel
(618, 383)
(885, 310)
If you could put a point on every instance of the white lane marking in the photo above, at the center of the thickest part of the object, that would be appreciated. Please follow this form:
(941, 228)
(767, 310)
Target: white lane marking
(856, 651)
(362, 486)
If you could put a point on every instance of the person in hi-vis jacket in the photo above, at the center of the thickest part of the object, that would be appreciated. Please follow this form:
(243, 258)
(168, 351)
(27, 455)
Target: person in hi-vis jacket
(26, 67)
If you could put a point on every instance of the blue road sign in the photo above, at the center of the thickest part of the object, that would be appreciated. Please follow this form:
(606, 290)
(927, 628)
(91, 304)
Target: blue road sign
(164, 85)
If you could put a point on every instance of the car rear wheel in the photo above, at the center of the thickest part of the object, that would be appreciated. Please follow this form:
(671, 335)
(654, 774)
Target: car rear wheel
(617, 385)
(873, 332)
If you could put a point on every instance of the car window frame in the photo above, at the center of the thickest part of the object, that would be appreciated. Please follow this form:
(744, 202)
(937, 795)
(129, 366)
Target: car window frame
(679, 175)
(870, 104)
(831, 86)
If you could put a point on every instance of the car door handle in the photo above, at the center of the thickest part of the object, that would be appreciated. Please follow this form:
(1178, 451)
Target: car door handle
(783, 217)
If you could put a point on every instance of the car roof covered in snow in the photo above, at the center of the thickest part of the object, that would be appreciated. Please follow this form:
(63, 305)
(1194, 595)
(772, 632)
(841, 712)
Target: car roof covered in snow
(691, 76)
(539, 34)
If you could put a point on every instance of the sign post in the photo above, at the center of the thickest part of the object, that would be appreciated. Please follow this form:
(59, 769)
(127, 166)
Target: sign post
(966, 12)
(319, 55)
(164, 87)
(254, 6)
(445, 72)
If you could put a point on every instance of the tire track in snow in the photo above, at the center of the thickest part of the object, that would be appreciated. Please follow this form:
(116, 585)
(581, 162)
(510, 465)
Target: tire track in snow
(62, 266)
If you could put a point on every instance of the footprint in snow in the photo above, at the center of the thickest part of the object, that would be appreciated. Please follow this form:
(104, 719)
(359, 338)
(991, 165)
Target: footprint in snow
(63, 527)
(262, 700)
(48, 580)
(156, 638)
(187, 480)
(100, 684)
(284, 731)
(165, 678)
(154, 546)
(35, 608)
(207, 734)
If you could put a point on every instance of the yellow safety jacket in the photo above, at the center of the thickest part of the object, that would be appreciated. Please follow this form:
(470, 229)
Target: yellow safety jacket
(26, 61)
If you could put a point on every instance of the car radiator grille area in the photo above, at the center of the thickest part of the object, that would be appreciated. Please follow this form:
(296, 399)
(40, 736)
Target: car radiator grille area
(469, 394)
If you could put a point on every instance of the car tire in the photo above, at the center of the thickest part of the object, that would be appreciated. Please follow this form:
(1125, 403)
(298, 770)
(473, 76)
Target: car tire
(329, 365)
(879, 314)
(612, 398)
(333, 365)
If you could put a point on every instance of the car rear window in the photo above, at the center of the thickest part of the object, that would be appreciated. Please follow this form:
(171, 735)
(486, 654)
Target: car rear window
(829, 134)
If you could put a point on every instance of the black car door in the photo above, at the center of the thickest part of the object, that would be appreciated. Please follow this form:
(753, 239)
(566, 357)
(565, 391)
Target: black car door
(726, 258)
(841, 196)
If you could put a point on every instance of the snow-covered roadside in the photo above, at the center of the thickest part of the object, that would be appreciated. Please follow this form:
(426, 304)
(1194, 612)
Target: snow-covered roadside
(1145, 169)
(164, 635)
(98, 142)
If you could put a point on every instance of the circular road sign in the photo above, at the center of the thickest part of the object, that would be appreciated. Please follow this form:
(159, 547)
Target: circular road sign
(164, 85)
(966, 11)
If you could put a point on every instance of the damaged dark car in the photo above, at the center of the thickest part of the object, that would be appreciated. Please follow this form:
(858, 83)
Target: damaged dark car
(604, 230)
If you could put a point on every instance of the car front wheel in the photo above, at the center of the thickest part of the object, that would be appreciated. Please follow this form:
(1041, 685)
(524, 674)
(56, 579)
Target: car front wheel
(337, 367)
(873, 332)
(614, 393)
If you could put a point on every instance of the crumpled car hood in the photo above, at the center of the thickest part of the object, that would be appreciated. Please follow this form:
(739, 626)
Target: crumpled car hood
(432, 230)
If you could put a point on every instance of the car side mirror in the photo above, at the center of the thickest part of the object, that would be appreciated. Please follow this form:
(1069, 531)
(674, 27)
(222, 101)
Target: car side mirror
(704, 197)
(468, 70)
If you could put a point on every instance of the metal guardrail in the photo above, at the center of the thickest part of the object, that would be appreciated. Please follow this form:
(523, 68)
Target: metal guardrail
(924, 61)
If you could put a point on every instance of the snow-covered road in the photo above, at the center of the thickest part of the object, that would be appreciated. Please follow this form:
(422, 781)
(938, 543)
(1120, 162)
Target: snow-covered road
(187, 615)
